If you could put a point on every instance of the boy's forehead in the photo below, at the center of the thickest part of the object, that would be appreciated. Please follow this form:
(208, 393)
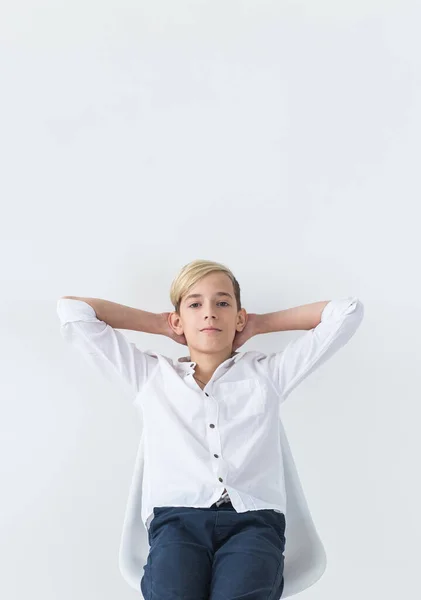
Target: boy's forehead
(217, 293)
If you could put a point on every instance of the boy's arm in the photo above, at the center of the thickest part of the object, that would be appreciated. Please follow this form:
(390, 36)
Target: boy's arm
(306, 316)
(91, 326)
(120, 316)
(339, 320)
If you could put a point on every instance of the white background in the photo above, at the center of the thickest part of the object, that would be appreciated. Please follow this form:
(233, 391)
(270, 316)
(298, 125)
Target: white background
(279, 138)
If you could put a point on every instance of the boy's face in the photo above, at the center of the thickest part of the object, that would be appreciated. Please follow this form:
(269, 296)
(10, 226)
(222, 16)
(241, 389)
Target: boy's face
(209, 310)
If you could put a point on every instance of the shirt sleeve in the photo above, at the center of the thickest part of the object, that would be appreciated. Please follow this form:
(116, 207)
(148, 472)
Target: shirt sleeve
(339, 321)
(118, 359)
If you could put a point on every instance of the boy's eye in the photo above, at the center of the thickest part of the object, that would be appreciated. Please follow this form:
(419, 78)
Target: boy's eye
(222, 302)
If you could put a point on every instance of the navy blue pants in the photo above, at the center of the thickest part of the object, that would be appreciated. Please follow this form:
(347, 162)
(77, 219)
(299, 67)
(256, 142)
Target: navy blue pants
(214, 553)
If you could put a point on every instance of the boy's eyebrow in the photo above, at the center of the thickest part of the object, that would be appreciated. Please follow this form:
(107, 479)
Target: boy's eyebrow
(216, 294)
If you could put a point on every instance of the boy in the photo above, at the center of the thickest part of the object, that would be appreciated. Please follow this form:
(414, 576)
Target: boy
(213, 489)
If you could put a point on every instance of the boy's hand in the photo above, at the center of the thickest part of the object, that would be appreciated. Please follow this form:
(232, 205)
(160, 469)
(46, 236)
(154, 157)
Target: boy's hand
(248, 332)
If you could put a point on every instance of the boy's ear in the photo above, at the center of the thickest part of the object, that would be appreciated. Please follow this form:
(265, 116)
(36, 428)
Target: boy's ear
(175, 322)
(242, 318)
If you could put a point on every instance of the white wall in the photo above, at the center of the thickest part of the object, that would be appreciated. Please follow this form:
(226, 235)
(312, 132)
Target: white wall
(280, 138)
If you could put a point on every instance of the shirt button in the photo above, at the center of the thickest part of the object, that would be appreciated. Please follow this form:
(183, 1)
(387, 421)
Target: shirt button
(211, 425)
(207, 394)
(216, 456)
(220, 479)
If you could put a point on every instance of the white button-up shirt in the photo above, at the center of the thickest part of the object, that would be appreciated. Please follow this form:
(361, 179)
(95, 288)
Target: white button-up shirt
(198, 442)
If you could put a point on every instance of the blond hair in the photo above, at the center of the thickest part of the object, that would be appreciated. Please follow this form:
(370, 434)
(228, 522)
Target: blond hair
(191, 273)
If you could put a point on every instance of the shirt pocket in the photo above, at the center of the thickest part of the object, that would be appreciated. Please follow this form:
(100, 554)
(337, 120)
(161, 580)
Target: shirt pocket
(242, 399)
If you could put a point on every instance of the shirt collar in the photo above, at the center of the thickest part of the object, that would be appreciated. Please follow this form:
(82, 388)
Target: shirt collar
(186, 365)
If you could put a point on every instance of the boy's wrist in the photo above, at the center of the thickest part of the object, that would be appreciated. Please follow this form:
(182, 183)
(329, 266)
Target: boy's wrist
(259, 324)
(161, 324)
